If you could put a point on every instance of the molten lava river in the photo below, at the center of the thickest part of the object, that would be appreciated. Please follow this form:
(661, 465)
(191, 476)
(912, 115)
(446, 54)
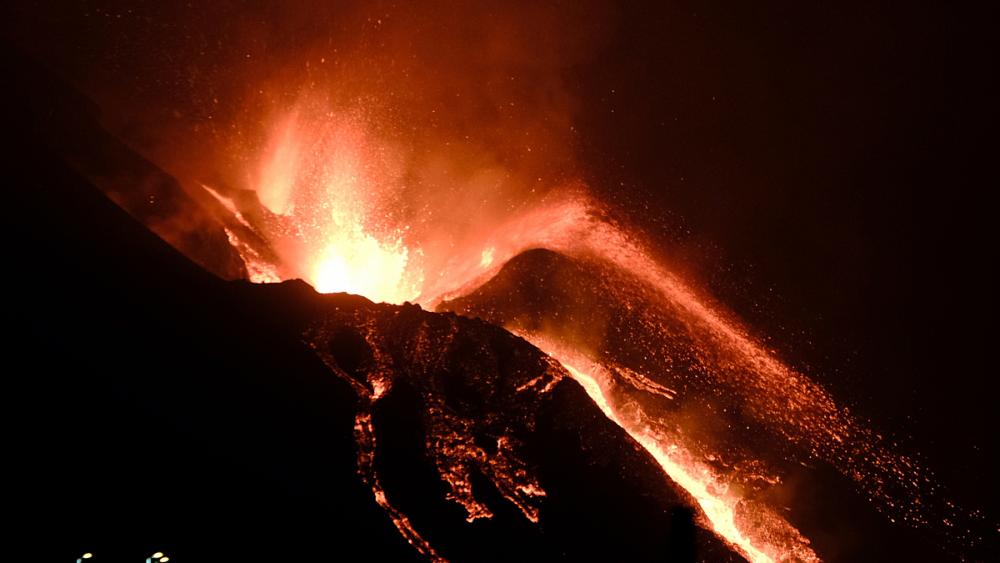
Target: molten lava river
(725, 419)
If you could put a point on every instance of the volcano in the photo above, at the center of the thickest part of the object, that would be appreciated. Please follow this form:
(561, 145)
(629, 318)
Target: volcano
(350, 303)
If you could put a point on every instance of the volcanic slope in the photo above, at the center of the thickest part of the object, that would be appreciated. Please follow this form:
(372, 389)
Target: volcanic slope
(163, 408)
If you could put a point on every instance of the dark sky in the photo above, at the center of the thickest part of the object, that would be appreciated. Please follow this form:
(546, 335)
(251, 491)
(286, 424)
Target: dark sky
(823, 169)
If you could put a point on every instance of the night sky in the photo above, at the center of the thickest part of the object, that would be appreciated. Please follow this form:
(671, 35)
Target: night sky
(822, 169)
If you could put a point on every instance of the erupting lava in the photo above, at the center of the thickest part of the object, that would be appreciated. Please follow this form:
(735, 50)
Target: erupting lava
(320, 184)
(431, 156)
(334, 210)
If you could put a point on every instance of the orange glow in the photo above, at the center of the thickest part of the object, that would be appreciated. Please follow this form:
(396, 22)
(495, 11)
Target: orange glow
(408, 153)
(339, 210)
(320, 178)
(775, 541)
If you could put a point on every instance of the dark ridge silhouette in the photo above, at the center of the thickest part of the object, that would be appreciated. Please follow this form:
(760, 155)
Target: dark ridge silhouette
(157, 407)
(69, 125)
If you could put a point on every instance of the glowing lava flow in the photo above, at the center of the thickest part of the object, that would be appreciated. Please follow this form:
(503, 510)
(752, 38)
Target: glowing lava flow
(717, 508)
(364, 434)
(712, 494)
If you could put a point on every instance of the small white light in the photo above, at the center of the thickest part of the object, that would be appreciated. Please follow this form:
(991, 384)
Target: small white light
(158, 555)
(87, 555)
(164, 559)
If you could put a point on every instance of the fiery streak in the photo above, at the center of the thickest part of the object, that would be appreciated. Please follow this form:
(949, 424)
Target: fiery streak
(712, 494)
(364, 435)
(258, 269)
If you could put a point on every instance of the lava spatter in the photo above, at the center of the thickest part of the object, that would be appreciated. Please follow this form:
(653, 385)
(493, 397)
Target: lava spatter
(460, 408)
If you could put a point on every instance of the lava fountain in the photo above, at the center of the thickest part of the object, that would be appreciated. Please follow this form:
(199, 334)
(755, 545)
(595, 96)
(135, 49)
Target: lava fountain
(320, 187)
